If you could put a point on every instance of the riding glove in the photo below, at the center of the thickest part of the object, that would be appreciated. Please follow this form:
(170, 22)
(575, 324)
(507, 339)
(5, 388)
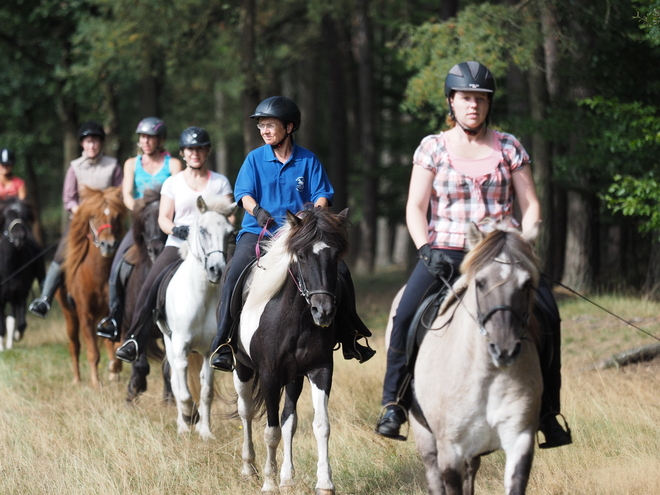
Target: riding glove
(181, 232)
(263, 216)
(437, 262)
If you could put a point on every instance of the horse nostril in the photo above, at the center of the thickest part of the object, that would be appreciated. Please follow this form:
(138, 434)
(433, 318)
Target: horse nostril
(516, 350)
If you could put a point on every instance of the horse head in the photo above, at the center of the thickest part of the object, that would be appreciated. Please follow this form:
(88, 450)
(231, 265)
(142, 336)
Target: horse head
(209, 236)
(100, 216)
(502, 272)
(316, 241)
(16, 219)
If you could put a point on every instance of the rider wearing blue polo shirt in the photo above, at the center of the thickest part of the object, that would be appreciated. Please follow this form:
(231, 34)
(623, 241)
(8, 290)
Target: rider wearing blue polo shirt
(274, 178)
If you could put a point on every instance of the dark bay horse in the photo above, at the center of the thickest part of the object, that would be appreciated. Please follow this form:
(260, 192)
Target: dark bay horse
(287, 333)
(477, 376)
(20, 264)
(149, 241)
(94, 235)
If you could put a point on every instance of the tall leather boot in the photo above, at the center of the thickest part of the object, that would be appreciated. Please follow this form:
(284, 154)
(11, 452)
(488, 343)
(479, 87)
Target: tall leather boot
(110, 326)
(222, 358)
(41, 305)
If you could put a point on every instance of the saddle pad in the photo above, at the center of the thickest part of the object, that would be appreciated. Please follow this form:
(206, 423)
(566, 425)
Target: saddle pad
(163, 281)
(237, 300)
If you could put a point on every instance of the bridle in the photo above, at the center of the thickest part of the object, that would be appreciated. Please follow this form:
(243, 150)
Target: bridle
(302, 287)
(482, 318)
(15, 222)
(204, 259)
(96, 232)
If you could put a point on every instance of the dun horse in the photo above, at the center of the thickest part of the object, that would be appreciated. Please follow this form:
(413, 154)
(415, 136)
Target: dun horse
(477, 376)
(190, 324)
(149, 241)
(18, 268)
(287, 333)
(93, 237)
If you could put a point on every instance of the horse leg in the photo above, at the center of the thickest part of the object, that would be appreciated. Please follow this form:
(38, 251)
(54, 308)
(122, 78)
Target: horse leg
(428, 451)
(9, 331)
(272, 433)
(73, 332)
(472, 466)
(114, 364)
(21, 323)
(138, 380)
(93, 354)
(519, 456)
(186, 414)
(243, 383)
(168, 395)
(321, 382)
(289, 426)
(3, 325)
(205, 400)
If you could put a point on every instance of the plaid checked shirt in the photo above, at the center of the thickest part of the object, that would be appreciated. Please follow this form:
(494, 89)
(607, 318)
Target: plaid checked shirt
(458, 199)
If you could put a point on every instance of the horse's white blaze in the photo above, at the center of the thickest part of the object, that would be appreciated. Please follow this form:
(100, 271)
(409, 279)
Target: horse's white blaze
(106, 211)
(319, 246)
(505, 270)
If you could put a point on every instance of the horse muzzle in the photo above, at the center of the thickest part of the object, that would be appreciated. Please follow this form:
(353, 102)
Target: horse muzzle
(107, 248)
(504, 356)
(215, 265)
(323, 309)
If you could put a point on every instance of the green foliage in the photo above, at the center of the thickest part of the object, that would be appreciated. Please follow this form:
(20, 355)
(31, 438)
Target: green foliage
(649, 17)
(496, 35)
(636, 197)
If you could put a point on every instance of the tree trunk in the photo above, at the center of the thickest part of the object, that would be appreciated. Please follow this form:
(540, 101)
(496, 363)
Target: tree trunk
(652, 283)
(220, 142)
(363, 52)
(250, 95)
(578, 273)
(338, 157)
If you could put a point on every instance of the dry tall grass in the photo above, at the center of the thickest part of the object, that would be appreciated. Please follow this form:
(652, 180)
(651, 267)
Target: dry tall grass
(59, 439)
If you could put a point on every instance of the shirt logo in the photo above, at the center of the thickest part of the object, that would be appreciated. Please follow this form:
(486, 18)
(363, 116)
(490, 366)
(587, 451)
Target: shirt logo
(300, 184)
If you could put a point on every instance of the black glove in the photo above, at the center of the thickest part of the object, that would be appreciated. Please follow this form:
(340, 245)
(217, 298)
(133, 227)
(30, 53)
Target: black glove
(181, 232)
(437, 262)
(262, 216)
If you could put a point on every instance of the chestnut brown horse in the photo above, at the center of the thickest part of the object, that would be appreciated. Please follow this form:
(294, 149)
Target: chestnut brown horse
(94, 235)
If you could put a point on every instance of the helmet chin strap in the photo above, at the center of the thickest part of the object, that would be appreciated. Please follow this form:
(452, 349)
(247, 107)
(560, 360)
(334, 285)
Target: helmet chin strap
(470, 131)
(279, 145)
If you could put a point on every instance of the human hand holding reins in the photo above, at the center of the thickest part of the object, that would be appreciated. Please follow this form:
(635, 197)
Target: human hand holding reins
(438, 263)
(181, 232)
(263, 216)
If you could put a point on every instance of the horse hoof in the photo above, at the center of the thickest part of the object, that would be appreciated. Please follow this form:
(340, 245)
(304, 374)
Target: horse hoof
(324, 491)
(113, 376)
(191, 420)
(249, 471)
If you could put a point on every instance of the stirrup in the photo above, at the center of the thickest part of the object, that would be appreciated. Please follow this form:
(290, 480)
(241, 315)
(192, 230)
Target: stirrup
(233, 357)
(101, 331)
(137, 351)
(33, 304)
(400, 437)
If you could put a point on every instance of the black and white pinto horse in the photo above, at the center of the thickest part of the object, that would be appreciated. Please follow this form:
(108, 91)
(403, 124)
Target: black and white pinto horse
(287, 333)
(18, 268)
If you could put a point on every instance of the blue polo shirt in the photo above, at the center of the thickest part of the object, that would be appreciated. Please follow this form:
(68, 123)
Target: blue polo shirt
(279, 187)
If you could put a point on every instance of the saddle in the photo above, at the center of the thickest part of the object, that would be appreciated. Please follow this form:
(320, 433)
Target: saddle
(423, 320)
(162, 282)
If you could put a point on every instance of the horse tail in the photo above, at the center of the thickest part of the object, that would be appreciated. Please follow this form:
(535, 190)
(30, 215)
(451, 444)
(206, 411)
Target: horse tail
(231, 399)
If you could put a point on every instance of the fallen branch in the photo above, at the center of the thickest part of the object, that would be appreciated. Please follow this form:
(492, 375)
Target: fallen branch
(632, 356)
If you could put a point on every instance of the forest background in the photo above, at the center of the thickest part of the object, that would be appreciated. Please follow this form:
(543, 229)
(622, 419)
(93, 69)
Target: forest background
(577, 82)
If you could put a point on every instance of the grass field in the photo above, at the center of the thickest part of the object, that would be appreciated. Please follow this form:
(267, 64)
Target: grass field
(56, 438)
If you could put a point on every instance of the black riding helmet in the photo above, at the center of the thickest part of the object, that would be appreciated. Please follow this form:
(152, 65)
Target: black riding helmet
(152, 126)
(194, 137)
(469, 76)
(7, 157)
(279, 107)
(91, 128)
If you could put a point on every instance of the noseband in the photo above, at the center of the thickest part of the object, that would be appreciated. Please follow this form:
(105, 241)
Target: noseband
(12, 225)
(96, 232)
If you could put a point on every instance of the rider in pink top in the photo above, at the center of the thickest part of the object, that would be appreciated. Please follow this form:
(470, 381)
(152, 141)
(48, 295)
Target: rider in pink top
(10, 185)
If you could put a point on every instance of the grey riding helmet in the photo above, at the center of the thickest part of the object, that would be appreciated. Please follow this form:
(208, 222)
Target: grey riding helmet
(194, 137)
(279, 107)
(152, 126)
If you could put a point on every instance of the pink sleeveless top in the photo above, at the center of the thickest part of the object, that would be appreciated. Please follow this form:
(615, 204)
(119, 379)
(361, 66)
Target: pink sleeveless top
(11, 189)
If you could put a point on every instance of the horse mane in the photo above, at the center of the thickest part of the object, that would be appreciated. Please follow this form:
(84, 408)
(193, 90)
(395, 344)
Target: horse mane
(219, 204)
(137, 253)
(93, 202)
(24, 209)
(316, 225)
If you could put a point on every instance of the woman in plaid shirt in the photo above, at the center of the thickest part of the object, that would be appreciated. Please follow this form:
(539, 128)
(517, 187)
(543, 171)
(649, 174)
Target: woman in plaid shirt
(465, 174)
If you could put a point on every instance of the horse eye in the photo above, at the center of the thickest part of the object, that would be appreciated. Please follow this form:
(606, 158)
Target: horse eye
(301, 256)
(203, 231)
(481, 285)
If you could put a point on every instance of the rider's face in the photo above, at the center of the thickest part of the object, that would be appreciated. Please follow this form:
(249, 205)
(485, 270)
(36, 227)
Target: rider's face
(470, 107)
(92, 146)
(196, 157)
(149, 144)
(272, 130)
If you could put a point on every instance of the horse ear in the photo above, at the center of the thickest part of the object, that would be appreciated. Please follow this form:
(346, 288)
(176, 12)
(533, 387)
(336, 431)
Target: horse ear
(292, 219)
(474, 235)
(343, 214)
(532, 233)
(201, 205)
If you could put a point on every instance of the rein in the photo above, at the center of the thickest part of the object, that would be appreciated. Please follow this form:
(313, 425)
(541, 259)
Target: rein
(14, 223)
(96, 232)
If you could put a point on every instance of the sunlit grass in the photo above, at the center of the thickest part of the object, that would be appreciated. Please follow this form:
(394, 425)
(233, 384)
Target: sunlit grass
(59, 438)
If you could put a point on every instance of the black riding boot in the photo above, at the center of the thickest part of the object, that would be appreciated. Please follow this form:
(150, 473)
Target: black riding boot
(350, 327)
(222, 358)
(397, 395)
(110, 326)
(136, 343)
(41, 305)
